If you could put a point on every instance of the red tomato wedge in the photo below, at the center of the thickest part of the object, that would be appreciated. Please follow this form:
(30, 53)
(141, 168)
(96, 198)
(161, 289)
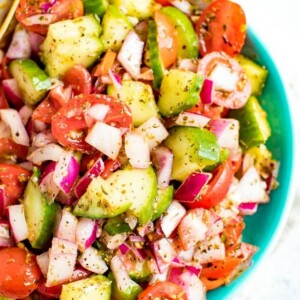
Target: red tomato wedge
(222, 27)
(9, 147)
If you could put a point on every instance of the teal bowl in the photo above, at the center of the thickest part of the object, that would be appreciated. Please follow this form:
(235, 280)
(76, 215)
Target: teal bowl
(263, 229)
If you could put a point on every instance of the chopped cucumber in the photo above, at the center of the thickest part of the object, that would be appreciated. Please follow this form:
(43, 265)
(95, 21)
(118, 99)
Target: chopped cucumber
(254, 126)
(256, 73)
(95, 287)
(193, 149)
(116, 225)
(40, 216)
(71, 42)
(162, 201)
(188, 46)
(179, 91)
(224, 154)
(139, 97)
(115, 28)
(32, 81)
(97, 7)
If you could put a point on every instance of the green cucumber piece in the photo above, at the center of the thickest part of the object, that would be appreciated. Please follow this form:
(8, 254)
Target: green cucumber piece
(154, 56)
(40, 216)
(71, 42)
(193, 148)
(188, 46)
(116, 225)
(32, 81)
(224, 154)
(257, 74)
(162, 202)
(95, 287)
(179, 91)
(97, 7)
(139, 97)
(141, 9)
(254, 126)
(115, 28)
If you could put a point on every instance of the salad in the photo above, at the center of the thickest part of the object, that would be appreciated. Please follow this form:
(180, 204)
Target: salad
(132, 146)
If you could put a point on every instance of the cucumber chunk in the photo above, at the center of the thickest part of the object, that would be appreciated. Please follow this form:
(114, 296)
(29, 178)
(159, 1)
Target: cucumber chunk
(188, 46)
(95, 287)
(162, 202)
(32, 81)
(139, 97)
(256, 73)
(115, 28)
(40, 216)
(97, 7)
(116, 225)
(193, 149)
(179, 91)
(254, 126)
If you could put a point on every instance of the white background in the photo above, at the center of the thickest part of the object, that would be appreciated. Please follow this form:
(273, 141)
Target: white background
(277, 24)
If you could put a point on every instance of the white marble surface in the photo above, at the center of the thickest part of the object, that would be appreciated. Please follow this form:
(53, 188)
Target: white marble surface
(277, 23)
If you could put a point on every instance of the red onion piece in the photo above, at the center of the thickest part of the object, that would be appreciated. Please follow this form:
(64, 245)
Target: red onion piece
(25, 113)
(206, 92)
(12, 92)
(48, 152)
(113, 242)
(46, 6)
(85, 180)
(136, 239)
(2, 200)
(40, 19)
(115, 79)
(192, 119)
(188, 64)
(190, 189)
(43, 138)
(67, 226)
(162, 158)
(17, 222)
(5, 238)
(86, 233)
(124, 248)
(96, 112)
(248, 208)
(35, 41)
(66, 172)
(43, 262)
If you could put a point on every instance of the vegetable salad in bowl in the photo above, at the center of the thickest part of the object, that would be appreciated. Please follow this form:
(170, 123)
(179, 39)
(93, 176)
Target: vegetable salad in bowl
(132, 146)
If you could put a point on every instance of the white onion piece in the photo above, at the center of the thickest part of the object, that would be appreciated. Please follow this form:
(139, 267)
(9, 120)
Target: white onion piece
(143, 230)
(192, 119)
(35, 41)
(49, 152)
(130, 55)
(162, 158)
(92, 261)
(43, 262)
(4, 130)
(86, 233)
(201, 4)
(113, 242)
(43, 138)
(19, 46)
(67, 226)
(164, 254)
(188, 64)
(131, 220)
(17, 222)
(105, 138)
(47, 184)
(172, 217)
(115, 79)
(227, 132)
(153, 131)
(12, 91)
(216, 225)
(66, 172)
(183, 5)
(137, 150)
(39, 19)
(97, 111)
(39, 126)
(62, 260)
(18, 132)
(25, 113)
(5, 238)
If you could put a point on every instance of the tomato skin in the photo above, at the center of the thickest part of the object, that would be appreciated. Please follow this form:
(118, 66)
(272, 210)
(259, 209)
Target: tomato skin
(163, 2)
(222, 27)
(109, 167)
(217, 188)
(163, 290)
(212, 284)
(9, 147)
(70, 128)
(232, 232)
(19, 273)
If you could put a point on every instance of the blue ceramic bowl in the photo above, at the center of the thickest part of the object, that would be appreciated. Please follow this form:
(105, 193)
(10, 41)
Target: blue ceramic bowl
(263, 229)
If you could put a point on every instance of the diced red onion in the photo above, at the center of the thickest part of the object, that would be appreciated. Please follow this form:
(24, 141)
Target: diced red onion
(86, 233)
(248, 208)
(113, 242)
(80, 273)
(131, 53)
(35, 41)
(25, 113)
(216, 225)
(162, 158)
(124, 248)
(66, 172)
(46, 6)
(62, 260)
(188, 64)
(131, 220)
(2, 200)
(5, 238)
(115, 79)
(172, 218)
(164, 254)
(148, 228)
(85, 180)
(200, 4)
(183, 5)
(107, 139)
(137, 150)
(43, 138)
(12, 92)
(190, 189)
(92, 261)
(153, 131)
(136, 239)
(19, 47)
(39, 126)
(97, 112)
(67, 226)
(18, 132)
(39, 19)
(17, 222)
(140, 254)
(206, 91)
(192, 119)
(43, 262)
(26, 165)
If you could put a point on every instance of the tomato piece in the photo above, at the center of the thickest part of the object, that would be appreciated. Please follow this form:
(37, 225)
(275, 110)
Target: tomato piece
(70, 128)
(163, 291)
(5, 74)
(163, 2)
(3, 100)
(19, 273)
(51, 292)
(110, 166)
(61, 9)
(232, 232)
(211, 111)
(212, 284)
(167, 40)
(9, 147)
(222, 27)
(79, 78)
(45, 111)
(217, 187)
